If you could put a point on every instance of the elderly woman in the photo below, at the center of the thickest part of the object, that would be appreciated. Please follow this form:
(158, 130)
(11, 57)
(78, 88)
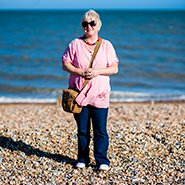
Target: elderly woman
(94, 97)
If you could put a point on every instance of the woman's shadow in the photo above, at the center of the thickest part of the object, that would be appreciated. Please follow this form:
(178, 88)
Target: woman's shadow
(9, 143)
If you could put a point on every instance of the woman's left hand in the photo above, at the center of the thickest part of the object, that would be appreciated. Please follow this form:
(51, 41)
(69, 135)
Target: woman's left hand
(94, 72)
(91, 73)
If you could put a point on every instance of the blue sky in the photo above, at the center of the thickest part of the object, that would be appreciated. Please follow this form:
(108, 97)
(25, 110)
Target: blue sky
(94, 4)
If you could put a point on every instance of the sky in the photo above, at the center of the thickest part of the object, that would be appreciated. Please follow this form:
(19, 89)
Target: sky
(92, 4)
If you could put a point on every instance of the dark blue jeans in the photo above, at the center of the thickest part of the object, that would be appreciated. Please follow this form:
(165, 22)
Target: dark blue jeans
(101, 141)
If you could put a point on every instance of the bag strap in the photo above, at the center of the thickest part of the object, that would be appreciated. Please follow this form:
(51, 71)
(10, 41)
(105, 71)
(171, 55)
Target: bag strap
(92, 58)
(95, 51)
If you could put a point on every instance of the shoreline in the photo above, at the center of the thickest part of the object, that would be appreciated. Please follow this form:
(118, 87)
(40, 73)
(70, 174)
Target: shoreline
(111, 103)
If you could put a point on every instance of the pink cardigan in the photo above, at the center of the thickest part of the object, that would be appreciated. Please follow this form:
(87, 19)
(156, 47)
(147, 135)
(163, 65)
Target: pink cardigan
(96, 92)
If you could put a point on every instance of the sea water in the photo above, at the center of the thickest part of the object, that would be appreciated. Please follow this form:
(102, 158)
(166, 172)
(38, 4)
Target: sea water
(150, 46)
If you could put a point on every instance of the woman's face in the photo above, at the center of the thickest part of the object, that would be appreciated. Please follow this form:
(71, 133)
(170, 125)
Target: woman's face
(90, 28)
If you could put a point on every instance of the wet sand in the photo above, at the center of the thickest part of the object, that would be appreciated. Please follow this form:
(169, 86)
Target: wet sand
(38, 145)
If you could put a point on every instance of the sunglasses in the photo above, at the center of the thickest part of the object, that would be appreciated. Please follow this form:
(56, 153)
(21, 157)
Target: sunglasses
(85, 24)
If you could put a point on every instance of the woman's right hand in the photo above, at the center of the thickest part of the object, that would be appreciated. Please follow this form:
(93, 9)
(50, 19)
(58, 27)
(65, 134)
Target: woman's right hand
(89, 73)
(86, 73)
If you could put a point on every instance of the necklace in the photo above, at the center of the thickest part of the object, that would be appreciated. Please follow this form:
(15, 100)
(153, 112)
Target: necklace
(91, 44)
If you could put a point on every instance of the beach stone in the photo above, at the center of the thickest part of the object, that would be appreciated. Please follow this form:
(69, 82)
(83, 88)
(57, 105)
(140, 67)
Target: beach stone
(38, 145)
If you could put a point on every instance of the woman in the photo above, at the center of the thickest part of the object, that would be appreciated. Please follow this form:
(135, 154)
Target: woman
(94, 98)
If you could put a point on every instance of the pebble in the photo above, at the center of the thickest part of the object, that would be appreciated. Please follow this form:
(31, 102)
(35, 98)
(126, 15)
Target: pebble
(38, 145)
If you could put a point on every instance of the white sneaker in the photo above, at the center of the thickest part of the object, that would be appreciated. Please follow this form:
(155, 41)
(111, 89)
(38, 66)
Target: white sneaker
(80, 165)
(104, 167)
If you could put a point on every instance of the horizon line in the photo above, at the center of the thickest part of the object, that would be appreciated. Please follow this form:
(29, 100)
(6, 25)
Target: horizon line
(101, 9)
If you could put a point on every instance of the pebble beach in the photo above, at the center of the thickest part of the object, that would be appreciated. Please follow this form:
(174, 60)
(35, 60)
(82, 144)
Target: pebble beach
(38, 145)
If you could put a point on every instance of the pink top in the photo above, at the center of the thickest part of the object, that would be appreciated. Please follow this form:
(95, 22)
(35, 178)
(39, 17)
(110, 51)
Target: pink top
(96, 92)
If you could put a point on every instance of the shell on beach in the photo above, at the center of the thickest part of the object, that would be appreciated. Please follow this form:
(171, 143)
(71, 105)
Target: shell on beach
(38, 145)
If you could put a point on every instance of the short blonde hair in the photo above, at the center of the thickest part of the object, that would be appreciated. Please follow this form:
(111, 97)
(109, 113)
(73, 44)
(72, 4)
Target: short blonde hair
(91, 14)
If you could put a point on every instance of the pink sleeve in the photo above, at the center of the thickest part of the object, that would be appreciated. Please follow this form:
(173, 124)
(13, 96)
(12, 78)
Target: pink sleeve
(111, 55)
(69, 53)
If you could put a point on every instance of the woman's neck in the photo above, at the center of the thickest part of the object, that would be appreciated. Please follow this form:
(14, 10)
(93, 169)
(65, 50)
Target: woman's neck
(92, 39)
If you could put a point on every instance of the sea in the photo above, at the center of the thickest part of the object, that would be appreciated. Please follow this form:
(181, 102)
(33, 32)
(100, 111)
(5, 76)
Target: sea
(150, 46)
